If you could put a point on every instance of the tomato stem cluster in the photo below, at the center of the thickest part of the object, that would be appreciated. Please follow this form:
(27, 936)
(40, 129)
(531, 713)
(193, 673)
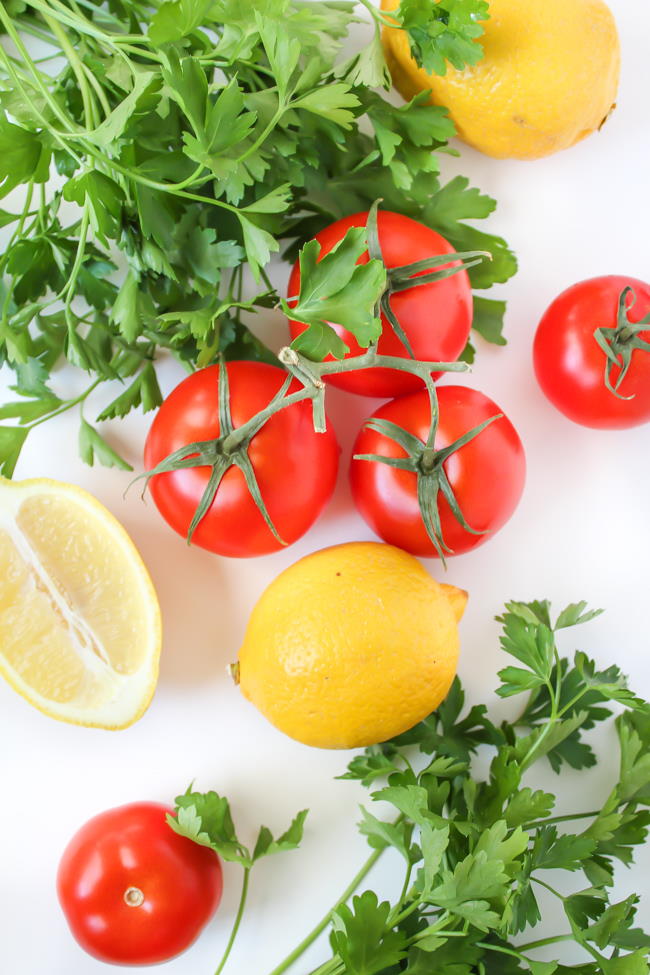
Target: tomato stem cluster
(428, 466)
(619, 343)
(408, 276)
(231, 447)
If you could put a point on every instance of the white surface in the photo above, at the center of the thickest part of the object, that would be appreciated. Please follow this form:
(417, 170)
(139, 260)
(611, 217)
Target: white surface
(582, 531)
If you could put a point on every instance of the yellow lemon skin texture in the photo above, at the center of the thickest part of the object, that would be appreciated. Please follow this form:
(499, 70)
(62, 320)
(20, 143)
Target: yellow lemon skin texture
(548, 79)
(80, 626)
(351, 646)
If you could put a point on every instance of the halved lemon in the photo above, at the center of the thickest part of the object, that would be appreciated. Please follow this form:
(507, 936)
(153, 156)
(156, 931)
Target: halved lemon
(80, 627)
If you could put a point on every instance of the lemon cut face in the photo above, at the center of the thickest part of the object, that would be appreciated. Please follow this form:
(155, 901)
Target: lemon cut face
(80, 627)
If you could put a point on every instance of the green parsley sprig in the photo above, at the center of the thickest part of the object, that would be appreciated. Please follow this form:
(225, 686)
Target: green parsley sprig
(478, 851)
(205, 818)
(190, 138)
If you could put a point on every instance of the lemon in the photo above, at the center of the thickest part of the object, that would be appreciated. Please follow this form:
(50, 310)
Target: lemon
(351, 645)
(548, 79)
(80, 623)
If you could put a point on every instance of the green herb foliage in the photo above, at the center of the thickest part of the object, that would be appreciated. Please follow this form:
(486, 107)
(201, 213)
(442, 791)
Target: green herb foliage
(478, 851)
(193, 142)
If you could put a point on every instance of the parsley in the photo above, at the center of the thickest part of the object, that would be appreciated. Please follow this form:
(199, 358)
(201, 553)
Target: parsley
(449, 34)
(189, 144)
(477, 852)
(205, 818)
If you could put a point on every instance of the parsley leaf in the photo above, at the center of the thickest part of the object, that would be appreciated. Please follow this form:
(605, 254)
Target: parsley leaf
(443, 733)
(615, 917)
(360, 939)
(443, 30)
(176, 19)
(23, 157)
(289, 840)
(333, 102)
(11, 443)
(336, 289)
(634, 736)
(376, 761)
(381, 835)
(566, 852)
(526, 806)
(92, 446)
(205, 818)
(144, 391)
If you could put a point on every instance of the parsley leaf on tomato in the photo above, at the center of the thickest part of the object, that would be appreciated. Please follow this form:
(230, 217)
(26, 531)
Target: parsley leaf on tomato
(336, 289)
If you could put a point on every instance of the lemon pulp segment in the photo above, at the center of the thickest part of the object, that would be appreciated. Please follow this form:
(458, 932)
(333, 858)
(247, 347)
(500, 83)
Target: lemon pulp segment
(79, 618)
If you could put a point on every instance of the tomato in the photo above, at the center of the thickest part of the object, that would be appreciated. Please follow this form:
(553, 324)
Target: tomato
(132, 890)
(487, 474)
(295, 467)
(435, 317)
(570, 364)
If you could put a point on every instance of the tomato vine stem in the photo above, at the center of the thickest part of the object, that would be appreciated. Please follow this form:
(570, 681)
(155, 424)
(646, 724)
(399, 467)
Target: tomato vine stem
(231, 448)
(620, 342)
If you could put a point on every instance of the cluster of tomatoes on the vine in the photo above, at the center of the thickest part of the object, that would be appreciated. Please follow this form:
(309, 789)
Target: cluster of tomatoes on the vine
(428, 498)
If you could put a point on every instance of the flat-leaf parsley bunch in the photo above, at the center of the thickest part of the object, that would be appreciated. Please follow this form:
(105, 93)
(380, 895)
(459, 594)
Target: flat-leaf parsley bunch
(478, 852)
(194, 136)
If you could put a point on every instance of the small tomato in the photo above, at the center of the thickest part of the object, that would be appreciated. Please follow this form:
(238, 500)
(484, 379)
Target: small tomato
(132, 890)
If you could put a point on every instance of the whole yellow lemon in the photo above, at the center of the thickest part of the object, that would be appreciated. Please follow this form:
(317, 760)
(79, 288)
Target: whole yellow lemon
(351, 646)
(548, 79)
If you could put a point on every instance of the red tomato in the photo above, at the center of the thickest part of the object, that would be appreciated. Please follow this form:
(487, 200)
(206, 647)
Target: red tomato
(436, 317)
(487, 474)
(570, 365)
(132, 890)
(295, 466)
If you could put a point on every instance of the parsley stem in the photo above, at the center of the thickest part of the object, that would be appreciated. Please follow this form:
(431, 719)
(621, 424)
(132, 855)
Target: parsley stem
(377, 15)
(405, 885)
(16, 234)
(548, 887)
(33, 70)
(282, 108)
(29, 26)
(12, 72)
(502, 951)
(562, 819)
(406, 912)
(331, 967)
(554, 693)
(322, 924)
(79, 258)
(79, 23)
(573, 701)
(68, 405)
(174, 188)
(543, 942)
(77, 67)
(266, 279)
(238, 918)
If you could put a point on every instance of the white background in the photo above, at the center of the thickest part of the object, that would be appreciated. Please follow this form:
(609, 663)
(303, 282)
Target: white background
(581, 531)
